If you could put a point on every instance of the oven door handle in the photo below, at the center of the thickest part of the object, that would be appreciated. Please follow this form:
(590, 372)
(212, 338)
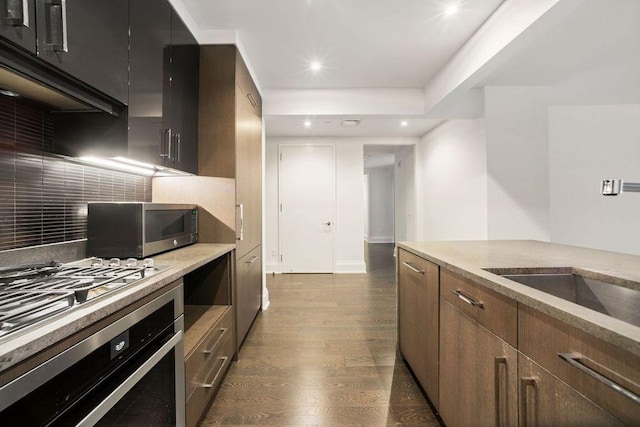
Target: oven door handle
(103, 407)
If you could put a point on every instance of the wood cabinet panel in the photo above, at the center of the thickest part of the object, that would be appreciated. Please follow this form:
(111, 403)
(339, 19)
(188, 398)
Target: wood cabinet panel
(248, 292)
(496, 312)
(545, 400)
(478, 373)
(543, 338)
(418, 307)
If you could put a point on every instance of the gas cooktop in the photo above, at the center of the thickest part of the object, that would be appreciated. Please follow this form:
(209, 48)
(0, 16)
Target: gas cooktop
(32, 293)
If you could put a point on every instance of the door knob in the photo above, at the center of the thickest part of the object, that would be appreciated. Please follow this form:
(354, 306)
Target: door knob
(327, 223)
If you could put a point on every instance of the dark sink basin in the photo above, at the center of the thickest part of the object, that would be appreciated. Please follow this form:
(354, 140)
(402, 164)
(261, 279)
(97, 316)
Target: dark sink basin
(616, 301)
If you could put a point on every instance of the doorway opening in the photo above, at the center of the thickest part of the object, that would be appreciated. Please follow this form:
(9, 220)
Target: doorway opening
(389, 182)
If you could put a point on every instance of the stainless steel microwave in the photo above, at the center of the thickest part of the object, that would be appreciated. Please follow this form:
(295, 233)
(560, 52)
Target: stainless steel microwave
(139, 230)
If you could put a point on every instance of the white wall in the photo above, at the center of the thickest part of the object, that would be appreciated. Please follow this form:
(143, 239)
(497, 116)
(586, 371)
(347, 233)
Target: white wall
(350, 197)
(517, 162)
(405, 200)
(381, 204)
(588, 144)
(451, 182)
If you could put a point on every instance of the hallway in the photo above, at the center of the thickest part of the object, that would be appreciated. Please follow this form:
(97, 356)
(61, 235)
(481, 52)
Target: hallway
(324, 354)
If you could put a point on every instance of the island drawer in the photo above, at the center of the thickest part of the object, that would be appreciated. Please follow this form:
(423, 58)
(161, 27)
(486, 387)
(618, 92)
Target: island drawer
(495, 312)
(587, 364)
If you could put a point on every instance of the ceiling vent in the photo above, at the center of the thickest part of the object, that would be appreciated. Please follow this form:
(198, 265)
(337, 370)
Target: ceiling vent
(350, 123)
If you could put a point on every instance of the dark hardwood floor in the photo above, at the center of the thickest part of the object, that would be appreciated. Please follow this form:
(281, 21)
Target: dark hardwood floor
(324, 354)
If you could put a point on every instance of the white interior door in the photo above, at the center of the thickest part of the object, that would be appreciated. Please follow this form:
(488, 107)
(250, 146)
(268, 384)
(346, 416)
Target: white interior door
(307, 208)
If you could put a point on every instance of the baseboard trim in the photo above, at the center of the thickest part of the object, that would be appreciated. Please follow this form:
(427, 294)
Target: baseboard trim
(272, 268)
(350, 268)
(380, 239)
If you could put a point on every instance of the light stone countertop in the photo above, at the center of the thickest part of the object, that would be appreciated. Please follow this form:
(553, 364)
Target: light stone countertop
(470, 258)
(33, 339)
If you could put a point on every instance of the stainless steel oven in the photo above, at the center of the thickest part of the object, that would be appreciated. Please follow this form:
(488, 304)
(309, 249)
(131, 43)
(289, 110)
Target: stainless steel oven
(138, 229)
(128, 373)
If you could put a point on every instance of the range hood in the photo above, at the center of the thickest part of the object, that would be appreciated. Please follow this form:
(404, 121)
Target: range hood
(32, 79)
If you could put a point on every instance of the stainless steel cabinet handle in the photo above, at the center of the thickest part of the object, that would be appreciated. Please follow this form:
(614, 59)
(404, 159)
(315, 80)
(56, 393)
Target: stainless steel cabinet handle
(163, 143)
(170, 146)
(57, 21)
(469, 300)
(574, 360)
(210, 384)
(240, 208)
(501, 409)
(222, 332)
(103, 407)
(252, 260)
(412, 268)
(16, 13)
(526, 383)
(179, 147)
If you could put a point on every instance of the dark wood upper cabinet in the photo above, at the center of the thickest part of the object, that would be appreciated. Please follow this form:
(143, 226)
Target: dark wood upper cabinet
(88, 39)
(18, 23)
(163, 87)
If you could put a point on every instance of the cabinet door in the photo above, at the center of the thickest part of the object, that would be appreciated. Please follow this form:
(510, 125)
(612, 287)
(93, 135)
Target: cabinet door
(148, 82)
(478, 373)
(418, 296)
(88, 39)
(18, 23)
(248, 174)
(248, 292)
(183, 105)
(547, 401)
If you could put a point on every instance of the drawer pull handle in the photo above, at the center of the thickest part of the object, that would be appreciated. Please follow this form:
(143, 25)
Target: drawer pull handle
(574, 360)
(215, 344)
(469, 300)
(412, 268)
(525, 383)
(252, 260)
(500, 394)
(215, 377)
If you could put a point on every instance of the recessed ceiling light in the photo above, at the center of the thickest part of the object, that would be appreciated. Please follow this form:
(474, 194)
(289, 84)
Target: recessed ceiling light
(315, 66)
(307, 124)
(404, 123)
(350, 123)
(451, 10)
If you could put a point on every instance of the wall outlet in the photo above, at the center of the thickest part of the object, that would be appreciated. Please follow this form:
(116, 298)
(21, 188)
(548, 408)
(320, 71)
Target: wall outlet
(273, 252)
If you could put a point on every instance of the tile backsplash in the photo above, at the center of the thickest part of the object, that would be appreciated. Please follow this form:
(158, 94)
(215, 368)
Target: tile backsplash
(43, 197)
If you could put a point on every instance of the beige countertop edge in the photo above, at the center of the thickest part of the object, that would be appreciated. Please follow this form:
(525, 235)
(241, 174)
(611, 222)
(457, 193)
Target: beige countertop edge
(182, 262)
(613, 331)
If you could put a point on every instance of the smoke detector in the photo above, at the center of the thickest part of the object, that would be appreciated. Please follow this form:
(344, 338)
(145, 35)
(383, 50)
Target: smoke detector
(350, 123)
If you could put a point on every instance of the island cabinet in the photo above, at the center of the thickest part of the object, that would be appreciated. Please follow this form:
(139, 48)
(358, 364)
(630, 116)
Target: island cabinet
(230, 146)
(209, 333)
(478, 364)
(568, 377)
(418, 291)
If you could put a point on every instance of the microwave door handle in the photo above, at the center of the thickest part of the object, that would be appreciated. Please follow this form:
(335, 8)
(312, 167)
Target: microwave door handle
(105, 406)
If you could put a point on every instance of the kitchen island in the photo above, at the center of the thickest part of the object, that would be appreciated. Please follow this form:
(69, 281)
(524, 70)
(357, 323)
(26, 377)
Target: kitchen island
(488, 350)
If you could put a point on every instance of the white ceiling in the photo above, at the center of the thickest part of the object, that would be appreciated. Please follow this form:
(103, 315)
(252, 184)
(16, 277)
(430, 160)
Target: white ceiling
(361, 44)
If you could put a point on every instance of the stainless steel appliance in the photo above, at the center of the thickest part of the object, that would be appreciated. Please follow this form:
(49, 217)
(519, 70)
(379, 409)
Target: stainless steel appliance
(131, 372)
(137, 229)
(33, 293)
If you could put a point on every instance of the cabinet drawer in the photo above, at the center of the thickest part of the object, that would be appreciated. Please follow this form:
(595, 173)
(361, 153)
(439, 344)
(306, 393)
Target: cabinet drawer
(543, 338)
(210, 378)
(495, 312)
(412, 266)
(208, 352)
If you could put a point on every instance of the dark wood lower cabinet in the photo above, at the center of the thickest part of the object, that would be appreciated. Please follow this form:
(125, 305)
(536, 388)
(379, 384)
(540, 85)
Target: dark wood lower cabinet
(547, 401)
(248, 292)
(478, 373)
(418, 327)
